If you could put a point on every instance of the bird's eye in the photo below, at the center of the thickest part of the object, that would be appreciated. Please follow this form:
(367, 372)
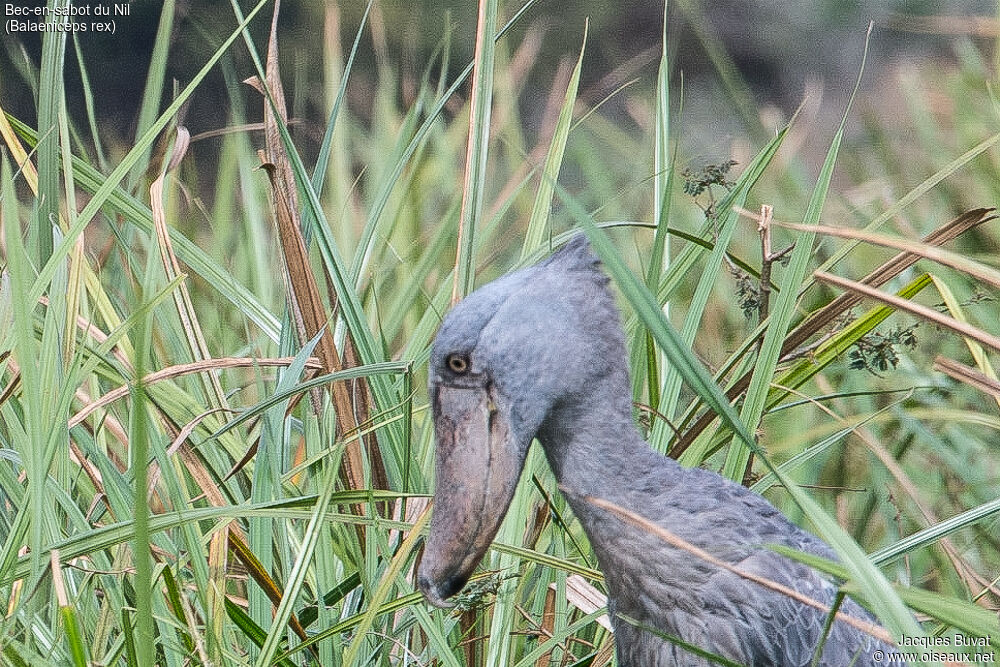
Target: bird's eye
(458, 363)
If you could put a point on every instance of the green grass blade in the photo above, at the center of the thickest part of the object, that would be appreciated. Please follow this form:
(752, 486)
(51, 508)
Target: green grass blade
(780, 317)
(128, 630)
(88, 100)
(49, 101)
(323, 159)
(251, 630)
(297, 575)
(473, 193)
(71, 624)
(934, 533)
(25, 350)
(663, 170)
(153, 91)
(659, 260)
(395, 568)
(538, 222)
(139, 442)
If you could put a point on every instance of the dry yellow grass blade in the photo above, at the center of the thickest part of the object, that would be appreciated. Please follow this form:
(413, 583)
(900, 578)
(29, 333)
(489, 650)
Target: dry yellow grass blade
(18, 152)
(955, 309)
(79, 268)
(182, 297)
(584, 596)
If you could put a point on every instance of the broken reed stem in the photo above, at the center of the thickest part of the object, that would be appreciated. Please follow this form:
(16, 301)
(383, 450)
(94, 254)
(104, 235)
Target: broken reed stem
(186, 369)
(764, 229)
(767, 258)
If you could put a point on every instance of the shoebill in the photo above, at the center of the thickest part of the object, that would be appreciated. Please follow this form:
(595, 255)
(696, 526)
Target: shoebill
(540, 353)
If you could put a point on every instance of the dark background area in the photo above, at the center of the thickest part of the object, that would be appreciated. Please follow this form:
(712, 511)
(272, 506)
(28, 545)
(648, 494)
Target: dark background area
(775, 45)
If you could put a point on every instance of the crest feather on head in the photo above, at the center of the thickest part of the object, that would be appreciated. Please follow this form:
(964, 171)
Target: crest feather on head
(576, 255)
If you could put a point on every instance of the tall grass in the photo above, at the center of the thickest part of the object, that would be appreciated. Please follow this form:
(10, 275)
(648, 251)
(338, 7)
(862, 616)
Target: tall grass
(176, 472)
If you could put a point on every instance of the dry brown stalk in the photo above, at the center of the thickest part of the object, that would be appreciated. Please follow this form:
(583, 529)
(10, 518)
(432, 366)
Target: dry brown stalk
(304, 297)
(968, 375)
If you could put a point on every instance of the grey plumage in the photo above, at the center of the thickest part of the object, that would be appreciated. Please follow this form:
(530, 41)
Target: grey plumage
(541, 353)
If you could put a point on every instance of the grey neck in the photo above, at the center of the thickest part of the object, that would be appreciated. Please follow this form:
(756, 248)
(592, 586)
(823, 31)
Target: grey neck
(593, 446)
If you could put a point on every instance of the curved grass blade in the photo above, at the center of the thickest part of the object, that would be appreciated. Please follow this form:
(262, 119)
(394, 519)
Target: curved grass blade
(49, 101)
(109, 184)
(111, 535)
(474, 191)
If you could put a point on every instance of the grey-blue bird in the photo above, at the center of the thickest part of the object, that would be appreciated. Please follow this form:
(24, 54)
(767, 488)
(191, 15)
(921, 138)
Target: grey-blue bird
(540, 353)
